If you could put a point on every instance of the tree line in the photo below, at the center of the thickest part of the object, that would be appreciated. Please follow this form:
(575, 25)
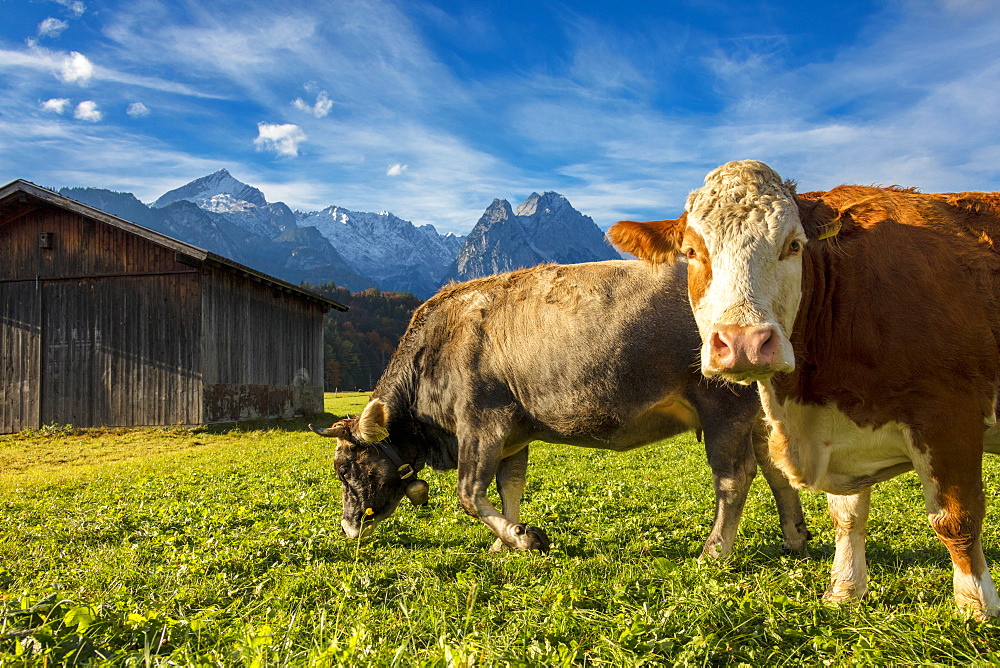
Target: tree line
(358, 344)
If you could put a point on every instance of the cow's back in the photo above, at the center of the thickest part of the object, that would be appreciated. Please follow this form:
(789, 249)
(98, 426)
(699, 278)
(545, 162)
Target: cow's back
(599, 354)
(901, 304)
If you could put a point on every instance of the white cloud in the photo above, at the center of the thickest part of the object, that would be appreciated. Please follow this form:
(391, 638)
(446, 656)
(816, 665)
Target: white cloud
(283, 139)
(396, 169)
(56, 105)
(88, 111)
(137, 110)
(51, 27)
(75, 68)
(320, 109)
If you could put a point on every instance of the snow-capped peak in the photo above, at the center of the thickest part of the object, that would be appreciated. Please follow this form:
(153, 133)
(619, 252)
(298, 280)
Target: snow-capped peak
(203, 192)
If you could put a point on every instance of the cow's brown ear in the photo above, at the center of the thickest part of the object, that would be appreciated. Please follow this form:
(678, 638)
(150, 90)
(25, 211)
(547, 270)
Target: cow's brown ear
(371, 423)
(658, 241)
(819, 219)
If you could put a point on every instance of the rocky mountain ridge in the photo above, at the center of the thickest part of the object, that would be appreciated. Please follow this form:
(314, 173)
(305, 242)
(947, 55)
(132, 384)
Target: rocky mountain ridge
(358, 250)
(543, 228)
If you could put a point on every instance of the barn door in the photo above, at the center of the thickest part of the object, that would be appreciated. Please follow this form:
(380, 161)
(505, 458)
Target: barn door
(20, 347)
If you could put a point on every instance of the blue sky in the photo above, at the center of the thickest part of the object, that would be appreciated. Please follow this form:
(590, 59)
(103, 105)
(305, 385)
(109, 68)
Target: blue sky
(432, 109)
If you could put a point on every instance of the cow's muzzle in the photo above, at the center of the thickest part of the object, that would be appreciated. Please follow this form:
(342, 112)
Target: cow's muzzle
(746, 353)
(362, 529)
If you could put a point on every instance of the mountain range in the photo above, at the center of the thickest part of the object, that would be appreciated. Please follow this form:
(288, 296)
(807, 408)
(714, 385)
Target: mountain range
(354, 249)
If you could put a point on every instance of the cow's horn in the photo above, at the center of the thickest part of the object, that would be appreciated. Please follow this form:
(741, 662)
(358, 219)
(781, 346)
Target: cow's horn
(418, 492)
(335, 430)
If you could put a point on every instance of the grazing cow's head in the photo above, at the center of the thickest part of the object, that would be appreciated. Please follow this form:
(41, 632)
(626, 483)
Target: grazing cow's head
(743, 240)
(373, 483)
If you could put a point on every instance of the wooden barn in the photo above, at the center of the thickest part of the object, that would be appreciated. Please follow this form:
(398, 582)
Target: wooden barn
(107, 323)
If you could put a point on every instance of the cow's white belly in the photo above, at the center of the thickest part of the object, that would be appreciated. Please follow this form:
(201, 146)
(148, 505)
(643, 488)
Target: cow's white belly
(820, 448)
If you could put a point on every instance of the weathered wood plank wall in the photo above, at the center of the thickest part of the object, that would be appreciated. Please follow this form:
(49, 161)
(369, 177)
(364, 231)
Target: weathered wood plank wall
(19, 355)
(262, 350)
(118, 320)
(121, 351)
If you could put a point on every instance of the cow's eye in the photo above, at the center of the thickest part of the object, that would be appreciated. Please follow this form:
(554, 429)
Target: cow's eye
(794, 247)
(342, 471)
(690, 254)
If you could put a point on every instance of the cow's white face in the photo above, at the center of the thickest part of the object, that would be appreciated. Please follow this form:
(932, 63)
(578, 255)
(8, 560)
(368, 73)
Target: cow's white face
(744, 247)
(743, 242)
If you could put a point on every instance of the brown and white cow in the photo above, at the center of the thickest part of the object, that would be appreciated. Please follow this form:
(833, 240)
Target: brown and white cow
(870, 320)
(599, 355)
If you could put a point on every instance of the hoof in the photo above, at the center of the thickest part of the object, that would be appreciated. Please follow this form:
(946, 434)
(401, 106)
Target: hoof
(844, 592)
(797, 545)
(802, 551)
(711, 552)
(536, 538)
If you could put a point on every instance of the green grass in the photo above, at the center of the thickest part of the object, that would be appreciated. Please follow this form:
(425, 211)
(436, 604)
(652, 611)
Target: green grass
(222, 546)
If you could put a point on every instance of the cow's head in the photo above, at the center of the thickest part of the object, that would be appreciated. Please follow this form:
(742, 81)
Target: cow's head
(373, 483)
(742, 237)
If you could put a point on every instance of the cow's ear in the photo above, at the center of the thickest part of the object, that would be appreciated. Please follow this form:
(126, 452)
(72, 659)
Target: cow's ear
(819, 219)
(371, 424)
(658, 241)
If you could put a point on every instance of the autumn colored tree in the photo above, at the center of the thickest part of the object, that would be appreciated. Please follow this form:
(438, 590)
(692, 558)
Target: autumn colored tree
(358, 344)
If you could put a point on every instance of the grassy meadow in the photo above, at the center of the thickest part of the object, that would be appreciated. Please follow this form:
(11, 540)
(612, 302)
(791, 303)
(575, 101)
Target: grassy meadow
(222, 546)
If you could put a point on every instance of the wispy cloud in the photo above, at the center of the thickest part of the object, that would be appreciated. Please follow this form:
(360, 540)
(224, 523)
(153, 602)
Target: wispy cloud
(319, 109)
(621, 114)
(283, 139)
(51, 27)
(137, 110)
(74, 67)
(75, 7)
(88, 111)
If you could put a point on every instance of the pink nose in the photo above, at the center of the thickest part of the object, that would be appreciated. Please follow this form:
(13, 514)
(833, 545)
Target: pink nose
(742, 348)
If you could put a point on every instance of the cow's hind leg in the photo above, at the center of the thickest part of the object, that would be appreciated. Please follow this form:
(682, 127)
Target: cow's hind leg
(731, 457)
(953, 495)
(790, 516)
(510, 484)
(478, 463)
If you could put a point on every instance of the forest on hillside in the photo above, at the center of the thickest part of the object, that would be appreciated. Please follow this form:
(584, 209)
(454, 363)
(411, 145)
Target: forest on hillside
(359, 343)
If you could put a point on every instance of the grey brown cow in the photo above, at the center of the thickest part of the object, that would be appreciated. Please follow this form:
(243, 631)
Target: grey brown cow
(599, 355)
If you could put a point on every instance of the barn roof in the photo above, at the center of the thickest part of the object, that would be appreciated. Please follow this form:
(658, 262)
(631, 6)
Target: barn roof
(20, 197)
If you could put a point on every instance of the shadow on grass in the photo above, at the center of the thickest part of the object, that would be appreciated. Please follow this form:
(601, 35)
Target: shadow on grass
(889, 555)
(273, 424)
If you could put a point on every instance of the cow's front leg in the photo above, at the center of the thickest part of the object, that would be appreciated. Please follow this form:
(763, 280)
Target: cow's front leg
(510, 483)
(477, 465)
(849, 575)
(731, 457)
(793, 522)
